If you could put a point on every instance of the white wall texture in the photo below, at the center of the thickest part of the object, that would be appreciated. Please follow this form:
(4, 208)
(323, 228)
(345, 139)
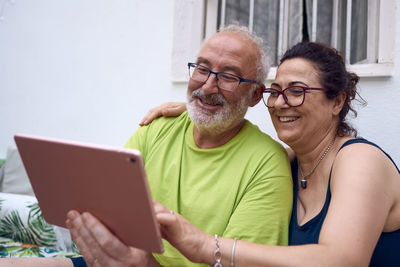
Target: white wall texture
(89, 70)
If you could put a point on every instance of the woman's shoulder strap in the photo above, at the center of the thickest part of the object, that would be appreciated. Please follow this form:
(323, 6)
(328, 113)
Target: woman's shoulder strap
(365, 141)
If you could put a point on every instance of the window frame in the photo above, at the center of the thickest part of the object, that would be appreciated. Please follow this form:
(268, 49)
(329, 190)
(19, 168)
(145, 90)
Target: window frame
(196, 20)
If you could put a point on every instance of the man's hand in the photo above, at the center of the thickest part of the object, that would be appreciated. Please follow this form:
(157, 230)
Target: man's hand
(187, 238)
(100, 247)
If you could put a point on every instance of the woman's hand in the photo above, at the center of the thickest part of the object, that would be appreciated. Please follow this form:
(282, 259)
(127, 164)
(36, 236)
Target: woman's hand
(187, 238)
(100, 247)
(168, 109)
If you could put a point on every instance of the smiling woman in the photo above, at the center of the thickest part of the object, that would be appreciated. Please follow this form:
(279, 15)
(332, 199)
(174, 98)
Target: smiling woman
(335, 173)
(324, 66)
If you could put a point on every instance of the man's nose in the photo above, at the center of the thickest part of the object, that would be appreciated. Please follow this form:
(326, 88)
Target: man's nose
(211, 85)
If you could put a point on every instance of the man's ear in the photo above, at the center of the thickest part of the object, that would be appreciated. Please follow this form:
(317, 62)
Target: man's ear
(257, 95)
(339, 102)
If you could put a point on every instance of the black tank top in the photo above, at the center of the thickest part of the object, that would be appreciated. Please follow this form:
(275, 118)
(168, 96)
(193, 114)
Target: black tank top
(387, 250)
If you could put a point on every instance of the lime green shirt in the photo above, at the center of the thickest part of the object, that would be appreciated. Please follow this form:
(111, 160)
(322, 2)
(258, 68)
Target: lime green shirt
(242, 189)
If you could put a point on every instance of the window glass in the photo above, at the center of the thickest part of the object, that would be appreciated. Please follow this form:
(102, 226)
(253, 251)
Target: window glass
(359, 29)
(296, 18)
(341, 27)
(266, 25)
(237, 11)
(324, 21)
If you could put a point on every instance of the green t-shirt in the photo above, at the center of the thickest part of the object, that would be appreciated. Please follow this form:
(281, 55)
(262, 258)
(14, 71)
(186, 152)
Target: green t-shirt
(242, 189)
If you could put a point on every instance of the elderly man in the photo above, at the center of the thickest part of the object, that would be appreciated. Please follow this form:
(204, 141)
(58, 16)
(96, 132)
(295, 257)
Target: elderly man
(210, 164)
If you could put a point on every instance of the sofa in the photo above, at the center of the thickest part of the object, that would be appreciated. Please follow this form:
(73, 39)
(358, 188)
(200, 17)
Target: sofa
(23, 230)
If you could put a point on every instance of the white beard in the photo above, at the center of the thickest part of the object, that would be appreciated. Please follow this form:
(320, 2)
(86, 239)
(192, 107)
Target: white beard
(229, 116)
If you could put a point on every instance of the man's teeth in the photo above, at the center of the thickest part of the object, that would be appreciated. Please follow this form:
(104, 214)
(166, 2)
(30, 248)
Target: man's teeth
(210, 103)
(286, 119)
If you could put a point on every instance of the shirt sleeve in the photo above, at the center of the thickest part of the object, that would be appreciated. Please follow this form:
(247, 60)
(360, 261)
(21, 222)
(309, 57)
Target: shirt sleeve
(138, 140)
(263, 213)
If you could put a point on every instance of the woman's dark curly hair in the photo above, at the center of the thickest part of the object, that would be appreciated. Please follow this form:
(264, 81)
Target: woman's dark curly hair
(333, 75)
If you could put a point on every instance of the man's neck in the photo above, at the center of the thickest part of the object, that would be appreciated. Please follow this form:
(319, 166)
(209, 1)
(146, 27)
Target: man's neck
(211, 137)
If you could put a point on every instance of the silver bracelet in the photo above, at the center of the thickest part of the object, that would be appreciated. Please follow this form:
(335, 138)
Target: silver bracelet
(217, 253)
(233, 253)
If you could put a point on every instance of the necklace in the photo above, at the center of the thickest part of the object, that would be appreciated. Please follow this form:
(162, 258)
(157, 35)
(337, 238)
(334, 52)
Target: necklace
(303, 181)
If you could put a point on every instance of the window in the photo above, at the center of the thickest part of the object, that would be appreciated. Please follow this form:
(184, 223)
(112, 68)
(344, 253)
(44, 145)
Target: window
(363, 30)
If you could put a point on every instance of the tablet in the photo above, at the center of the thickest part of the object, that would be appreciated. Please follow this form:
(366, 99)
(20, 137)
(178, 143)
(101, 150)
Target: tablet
(110, 183)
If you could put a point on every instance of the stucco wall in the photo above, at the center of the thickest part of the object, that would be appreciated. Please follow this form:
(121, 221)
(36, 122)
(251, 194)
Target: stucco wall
(89, 70)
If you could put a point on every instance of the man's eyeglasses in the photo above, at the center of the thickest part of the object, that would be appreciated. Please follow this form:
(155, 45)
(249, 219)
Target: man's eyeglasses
(294, 95)
(225, 81)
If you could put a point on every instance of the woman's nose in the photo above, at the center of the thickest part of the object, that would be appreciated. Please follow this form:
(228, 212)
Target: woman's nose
(280, 102)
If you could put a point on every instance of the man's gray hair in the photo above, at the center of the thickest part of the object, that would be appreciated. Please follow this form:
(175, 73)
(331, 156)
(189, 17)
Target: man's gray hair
(263, 63)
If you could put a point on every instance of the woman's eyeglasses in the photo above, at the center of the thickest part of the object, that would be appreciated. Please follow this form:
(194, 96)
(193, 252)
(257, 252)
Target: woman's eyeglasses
(294, 95)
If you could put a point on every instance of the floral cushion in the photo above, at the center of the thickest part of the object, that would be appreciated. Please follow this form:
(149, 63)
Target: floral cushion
(24, 232)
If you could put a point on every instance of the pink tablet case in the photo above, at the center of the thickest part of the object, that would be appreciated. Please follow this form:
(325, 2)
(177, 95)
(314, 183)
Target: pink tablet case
(110, 183)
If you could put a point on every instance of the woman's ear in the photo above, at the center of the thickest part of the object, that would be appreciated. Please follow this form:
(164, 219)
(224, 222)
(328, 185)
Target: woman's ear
(257, 95)
(339, 102)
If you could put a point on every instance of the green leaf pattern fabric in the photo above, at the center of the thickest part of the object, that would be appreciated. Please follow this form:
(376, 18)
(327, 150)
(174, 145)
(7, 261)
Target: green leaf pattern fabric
(25, 233)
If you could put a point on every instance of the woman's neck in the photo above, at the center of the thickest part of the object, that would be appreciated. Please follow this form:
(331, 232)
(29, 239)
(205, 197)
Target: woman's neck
(313, 152)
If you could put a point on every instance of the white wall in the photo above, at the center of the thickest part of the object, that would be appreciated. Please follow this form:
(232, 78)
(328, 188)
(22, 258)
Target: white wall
(85, 70)
(88, 70)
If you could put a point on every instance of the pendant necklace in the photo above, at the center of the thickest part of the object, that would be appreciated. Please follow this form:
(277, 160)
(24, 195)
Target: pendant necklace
(303, 181)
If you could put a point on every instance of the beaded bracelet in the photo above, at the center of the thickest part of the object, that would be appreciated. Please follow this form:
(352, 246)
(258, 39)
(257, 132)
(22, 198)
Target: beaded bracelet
(217, 253)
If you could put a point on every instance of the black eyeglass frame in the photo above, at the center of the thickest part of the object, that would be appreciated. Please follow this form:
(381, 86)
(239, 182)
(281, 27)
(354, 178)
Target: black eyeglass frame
(282, 92)
(190, 64)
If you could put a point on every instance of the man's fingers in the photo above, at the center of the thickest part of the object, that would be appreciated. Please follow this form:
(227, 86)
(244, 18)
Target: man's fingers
(159, 208)
(82, 238)
(115, 252)
(99, 246)
(109, 243)
(166, 219)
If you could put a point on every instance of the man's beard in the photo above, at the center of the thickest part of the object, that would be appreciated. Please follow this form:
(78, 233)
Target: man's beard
(230, 115)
